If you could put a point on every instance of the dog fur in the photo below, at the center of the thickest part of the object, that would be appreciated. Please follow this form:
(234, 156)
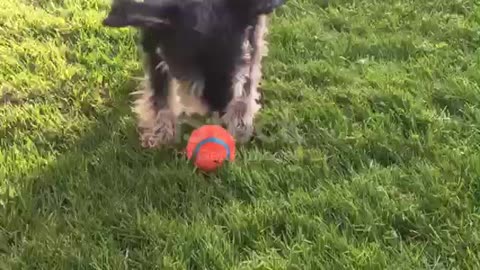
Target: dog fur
(201, 57)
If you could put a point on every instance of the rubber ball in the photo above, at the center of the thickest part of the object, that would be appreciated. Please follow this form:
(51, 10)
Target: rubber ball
(210, 146)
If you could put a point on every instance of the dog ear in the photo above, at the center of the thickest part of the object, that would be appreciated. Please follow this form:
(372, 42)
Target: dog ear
(265, 6)
(255, 7)
(126, 13)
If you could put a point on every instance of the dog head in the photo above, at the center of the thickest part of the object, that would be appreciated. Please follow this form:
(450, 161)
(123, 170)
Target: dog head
(198, 15)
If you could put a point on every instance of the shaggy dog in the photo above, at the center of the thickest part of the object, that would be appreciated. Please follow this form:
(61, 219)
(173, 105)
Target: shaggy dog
(201, 57)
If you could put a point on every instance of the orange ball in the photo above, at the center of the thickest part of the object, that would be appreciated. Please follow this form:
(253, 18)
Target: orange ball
(209, 146)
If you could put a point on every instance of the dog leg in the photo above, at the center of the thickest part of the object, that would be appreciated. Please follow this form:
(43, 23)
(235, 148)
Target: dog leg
(156, 120)
(241, 111)
(235, 117)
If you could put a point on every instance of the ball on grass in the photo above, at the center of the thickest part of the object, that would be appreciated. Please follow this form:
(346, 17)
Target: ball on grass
(209, 146)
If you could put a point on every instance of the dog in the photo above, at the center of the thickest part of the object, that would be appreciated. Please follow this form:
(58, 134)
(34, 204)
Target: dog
(200, 57)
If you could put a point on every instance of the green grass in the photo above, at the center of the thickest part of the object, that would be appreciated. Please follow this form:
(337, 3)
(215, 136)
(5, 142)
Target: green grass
(378, 167)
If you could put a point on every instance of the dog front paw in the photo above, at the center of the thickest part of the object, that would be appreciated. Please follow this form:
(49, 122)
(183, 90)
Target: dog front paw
(238, 121)
(162, 132)
(242, 132)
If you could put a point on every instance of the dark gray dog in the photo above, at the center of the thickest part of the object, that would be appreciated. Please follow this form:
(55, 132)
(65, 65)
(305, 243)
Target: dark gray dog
(201, 56)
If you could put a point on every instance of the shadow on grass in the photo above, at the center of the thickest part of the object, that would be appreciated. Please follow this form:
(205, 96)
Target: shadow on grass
(100, 187)
(105, 195)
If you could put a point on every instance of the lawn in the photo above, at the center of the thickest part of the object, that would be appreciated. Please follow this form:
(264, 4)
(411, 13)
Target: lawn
(369, 154)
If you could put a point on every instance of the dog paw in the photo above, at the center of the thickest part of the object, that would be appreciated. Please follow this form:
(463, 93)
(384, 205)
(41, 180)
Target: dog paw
(242, 132)
(162, 132)
(238, 121)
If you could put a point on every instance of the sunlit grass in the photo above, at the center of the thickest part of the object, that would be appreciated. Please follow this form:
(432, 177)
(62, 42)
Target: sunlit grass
(368, 156)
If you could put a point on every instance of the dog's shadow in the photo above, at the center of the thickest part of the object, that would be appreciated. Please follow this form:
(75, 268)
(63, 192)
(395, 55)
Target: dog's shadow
(105, 180)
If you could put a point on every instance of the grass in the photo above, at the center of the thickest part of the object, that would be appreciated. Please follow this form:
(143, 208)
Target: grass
(378, 167)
